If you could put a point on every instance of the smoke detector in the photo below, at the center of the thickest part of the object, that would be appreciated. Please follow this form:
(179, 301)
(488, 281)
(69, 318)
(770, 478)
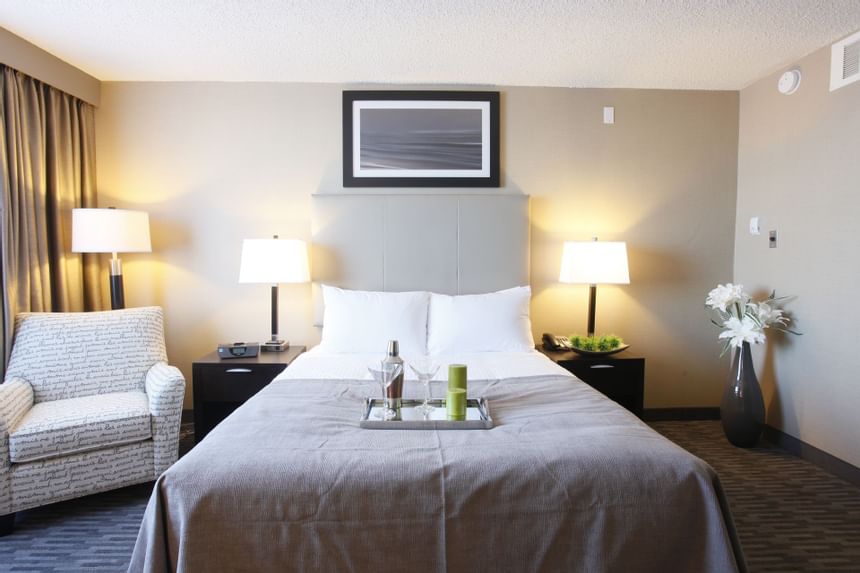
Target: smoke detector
(789, 82)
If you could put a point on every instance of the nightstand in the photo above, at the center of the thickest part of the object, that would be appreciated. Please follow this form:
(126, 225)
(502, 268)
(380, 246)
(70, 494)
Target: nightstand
(221, 386)
(621, 377)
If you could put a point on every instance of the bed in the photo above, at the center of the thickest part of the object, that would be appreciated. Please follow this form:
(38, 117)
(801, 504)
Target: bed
(566, 480)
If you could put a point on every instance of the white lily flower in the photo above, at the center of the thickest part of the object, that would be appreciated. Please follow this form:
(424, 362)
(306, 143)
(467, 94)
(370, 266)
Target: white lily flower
(740, 331)
(768, 315)
(742, 319)
(725, 295)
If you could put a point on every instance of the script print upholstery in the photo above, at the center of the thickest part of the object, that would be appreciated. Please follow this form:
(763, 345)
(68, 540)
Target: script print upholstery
(16, 397)
(59, 479)
(68, 355)
(165, 388)
(64, 427)
(89, 404)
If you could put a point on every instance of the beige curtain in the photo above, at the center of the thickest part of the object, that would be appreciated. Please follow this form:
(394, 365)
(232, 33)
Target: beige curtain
(47, 167)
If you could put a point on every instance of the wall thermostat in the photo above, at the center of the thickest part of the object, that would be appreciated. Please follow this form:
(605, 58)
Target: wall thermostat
(789, 82)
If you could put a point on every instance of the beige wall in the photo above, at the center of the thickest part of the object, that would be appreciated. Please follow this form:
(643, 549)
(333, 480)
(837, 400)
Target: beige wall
(36, 62)
(799, 170)
(215, 163)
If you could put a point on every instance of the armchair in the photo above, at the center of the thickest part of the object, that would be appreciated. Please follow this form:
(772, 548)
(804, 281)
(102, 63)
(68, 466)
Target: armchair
(89, 404)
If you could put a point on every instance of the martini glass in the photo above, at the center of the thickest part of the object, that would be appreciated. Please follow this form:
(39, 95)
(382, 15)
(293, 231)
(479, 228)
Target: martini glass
(385, 377)
(425, 372)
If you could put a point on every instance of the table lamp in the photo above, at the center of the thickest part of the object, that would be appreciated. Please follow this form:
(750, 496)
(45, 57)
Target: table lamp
(274, 261)
(592, 263)
(111, 231)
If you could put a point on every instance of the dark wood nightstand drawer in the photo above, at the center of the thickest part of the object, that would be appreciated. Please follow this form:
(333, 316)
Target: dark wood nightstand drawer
(221, 386)
(235, 383)
(598, 370)
(620, 377)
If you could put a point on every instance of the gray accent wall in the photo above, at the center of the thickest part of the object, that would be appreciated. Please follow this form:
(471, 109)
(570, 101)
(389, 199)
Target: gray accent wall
(799, 171)
(214, 163)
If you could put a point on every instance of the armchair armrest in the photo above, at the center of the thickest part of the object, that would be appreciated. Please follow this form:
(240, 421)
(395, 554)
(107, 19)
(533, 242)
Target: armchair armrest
(16, 398)
(165, 389)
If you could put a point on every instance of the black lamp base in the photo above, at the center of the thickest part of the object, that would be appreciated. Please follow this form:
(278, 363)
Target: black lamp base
(592, 309)
(117, 296)
(275, 346)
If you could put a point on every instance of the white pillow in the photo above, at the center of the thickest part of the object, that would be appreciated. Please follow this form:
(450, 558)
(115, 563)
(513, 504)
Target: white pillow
(493, 322)
(356, 321)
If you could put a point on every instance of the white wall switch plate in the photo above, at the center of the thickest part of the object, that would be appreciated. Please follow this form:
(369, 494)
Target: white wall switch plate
(755, 226)
(771, 240)
(608, 115)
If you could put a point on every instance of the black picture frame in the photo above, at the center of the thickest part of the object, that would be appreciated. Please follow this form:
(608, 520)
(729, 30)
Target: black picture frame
(356, 175)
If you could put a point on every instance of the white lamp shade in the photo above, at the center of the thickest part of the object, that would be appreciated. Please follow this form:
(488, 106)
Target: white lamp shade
(110, 231)
(274, 261)
(594, 262)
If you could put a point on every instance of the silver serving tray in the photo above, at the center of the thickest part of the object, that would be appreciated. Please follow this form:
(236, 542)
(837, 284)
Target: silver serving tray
(477, 416)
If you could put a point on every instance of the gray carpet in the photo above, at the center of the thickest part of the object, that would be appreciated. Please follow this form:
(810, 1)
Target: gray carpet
(790, 515)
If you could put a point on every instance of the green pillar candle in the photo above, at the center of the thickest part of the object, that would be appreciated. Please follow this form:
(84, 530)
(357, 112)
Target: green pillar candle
(456, 404)
(457, 376)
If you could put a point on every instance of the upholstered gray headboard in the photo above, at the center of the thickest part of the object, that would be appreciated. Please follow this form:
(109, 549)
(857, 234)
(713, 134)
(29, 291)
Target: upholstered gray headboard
(452, 244)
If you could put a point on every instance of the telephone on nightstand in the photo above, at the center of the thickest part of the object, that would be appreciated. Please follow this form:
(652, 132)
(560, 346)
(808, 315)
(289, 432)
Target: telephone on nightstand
(553, 342)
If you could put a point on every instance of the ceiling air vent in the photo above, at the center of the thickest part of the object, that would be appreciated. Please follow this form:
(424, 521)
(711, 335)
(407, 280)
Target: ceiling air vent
(845, 62)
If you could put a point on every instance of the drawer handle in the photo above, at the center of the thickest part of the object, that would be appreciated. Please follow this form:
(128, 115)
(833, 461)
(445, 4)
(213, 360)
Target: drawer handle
(239, 371)
(602, 366)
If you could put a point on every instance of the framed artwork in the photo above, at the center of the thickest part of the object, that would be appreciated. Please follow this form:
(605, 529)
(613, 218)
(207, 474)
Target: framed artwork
(420, 139)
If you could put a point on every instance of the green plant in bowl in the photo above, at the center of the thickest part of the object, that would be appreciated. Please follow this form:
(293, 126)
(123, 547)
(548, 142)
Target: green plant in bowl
(604, 343)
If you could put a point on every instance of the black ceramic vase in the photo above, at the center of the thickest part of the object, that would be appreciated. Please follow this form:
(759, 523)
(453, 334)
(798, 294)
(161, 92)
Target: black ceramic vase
(742, 408)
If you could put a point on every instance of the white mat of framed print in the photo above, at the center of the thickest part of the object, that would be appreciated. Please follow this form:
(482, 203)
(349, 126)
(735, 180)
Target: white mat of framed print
(420, 139)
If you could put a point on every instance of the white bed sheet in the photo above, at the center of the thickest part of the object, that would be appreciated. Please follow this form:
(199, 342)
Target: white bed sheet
(317, 364)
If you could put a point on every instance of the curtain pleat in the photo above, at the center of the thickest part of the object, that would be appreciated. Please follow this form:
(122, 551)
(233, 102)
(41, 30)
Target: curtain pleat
(47, 158)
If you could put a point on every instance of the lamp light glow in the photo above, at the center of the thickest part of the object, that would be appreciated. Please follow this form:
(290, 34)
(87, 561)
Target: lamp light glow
(111, 231)
(274, 261)
(592, 263)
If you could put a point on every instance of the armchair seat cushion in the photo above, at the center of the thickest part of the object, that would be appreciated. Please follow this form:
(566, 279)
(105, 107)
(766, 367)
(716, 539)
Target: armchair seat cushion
(63, 427)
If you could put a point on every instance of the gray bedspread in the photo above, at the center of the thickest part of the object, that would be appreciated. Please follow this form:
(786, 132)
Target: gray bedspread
(566, 481)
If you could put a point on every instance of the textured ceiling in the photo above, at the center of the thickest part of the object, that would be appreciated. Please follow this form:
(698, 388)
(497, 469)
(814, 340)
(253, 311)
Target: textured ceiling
(677, 44)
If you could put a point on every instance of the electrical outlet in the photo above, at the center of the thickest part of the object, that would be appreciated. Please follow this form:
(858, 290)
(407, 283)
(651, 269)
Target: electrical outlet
(771, 240)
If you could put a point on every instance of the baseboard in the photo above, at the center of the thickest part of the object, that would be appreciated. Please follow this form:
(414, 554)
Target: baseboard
(827, 462)
(680, 414)
(187, 416)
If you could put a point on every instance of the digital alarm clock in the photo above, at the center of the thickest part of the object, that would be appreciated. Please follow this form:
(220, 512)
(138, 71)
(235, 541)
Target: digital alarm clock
(238, 349)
